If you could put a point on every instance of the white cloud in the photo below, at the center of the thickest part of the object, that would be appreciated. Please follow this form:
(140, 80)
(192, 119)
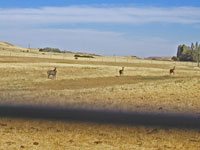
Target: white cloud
(81, 14)
(24, 25)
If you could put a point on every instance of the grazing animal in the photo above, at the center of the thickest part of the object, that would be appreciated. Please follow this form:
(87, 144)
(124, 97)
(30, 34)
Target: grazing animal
(121, 71)
(52, 73)
(171, 71)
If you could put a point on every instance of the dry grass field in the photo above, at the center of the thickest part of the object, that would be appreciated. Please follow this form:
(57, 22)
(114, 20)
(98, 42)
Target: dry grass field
(146, 86)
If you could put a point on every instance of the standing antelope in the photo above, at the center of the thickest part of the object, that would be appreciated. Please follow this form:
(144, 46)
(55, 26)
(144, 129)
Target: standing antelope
(52, 73)
(121, 71)
(172, 70)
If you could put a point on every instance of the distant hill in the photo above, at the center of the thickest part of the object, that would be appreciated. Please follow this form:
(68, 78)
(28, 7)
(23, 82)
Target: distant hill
(6, 46)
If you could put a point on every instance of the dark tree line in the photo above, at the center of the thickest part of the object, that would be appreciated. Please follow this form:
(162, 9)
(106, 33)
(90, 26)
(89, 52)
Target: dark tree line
(188, 53)
(49, 49)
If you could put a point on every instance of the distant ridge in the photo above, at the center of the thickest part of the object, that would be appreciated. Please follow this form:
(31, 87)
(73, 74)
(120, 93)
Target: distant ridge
(6, 43)
(9, 46)
(6, 46)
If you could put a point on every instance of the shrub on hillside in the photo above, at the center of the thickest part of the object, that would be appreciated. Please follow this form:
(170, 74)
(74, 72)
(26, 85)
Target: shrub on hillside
(174, 58)
(85, 56)
(48, 49)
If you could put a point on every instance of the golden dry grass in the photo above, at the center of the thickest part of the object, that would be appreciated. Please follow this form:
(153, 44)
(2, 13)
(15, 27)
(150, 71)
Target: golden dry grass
(145, 86)
(26, 134)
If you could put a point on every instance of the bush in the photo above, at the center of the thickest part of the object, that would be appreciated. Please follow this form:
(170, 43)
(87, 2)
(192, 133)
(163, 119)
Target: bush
(174, 58)
(48, 49)
(85, 56)
(186, 57)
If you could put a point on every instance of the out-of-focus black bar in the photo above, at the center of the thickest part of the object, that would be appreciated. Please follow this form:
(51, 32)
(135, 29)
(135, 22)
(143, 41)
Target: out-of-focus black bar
(102, 116)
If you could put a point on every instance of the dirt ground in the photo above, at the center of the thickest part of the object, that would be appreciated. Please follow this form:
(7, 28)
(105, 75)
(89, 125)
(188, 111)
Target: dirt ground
(146, 86)
(30, 134)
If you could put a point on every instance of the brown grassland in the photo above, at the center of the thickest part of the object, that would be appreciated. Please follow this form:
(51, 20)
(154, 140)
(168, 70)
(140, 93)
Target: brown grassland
(146, 86)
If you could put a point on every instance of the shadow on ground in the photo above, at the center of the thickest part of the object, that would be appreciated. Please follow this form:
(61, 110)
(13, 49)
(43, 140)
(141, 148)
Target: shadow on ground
(163, 120)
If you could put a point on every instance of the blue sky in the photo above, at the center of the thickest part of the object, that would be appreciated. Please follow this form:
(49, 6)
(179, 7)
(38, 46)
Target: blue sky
(108, 27)
(39, 3)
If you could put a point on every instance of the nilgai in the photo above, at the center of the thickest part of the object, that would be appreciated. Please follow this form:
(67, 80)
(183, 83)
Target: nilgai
(171, 71)
(52, 73)
(121, 71)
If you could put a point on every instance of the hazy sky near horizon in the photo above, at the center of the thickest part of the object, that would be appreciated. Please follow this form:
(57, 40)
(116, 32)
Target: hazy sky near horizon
(107, 27)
